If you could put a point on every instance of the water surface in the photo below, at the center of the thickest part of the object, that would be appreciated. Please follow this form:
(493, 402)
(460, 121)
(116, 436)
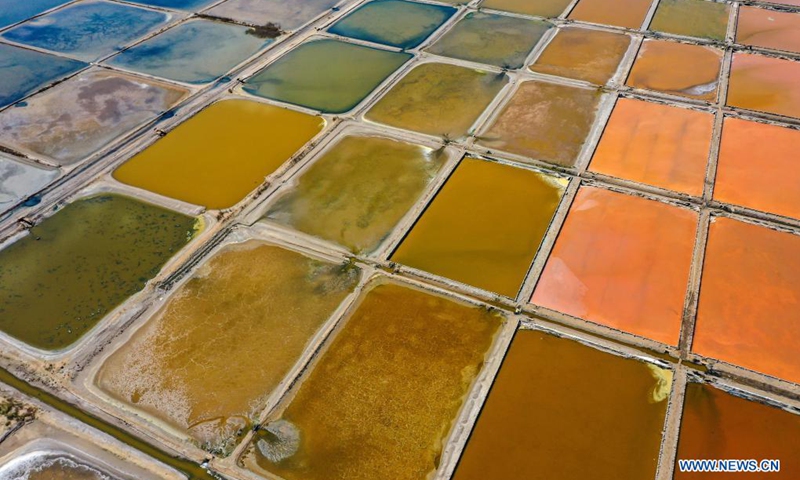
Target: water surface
(583, 54)
(286, 15)
(26, 71)
(692, 18)
(19, 180)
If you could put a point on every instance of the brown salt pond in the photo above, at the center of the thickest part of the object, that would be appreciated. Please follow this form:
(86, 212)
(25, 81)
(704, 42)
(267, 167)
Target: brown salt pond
(85, 114)
(718, 425)
(544, 418)
(260, 302)
(540, 8)
(623, 13)
(692, 18)
(765, 84)
(59, 467)
(758, 332)
(485, 226)
(381, 400)
(544, 121)
(757, 167)
(678, 69)
(221, 154)
(358, 191)
(438, 99)
(623, 262)
(583, 54)
(654, 144)
(768, 29)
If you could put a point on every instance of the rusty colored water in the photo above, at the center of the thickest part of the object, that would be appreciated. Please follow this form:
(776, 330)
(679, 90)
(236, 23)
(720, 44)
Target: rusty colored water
(544, 121)
(545, 417)
(583, 54)
(657, 145)
(623, 13)
(262, 303)
(765, 84)
(541, 8)
(62, 468)
(485, 226)
(768, 29)
(719, 425)
(623, 262)
(756, 330)
(677, 68)
(221, 154)
(757, 167)
(438, 99)
(692, 18)
(381, 400)
(356, 192)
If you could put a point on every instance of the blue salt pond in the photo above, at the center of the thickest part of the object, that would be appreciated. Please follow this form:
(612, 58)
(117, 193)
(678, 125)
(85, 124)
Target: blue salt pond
(197, 51)
(25, 71)
(397, 23)
(286, 15)
(89, 30)
(190, 5)
(13, 11)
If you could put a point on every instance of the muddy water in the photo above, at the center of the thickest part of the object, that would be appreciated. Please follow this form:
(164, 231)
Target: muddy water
(397, 23)
(625, 13)
(26, 71)
(656, 145)
(677, 68)
(545, 419)
(757, 167)
(541, 8)
(381, 400)
(287, 15)
(768, 29)
(692, 18)
(718, 425)
(326, 75)
(260, 301)
(221, 154)
(53, 467)
(438, 99)
(623, 262)
(499, 40)
(356, 192)
(544, 121)
(583, 54)
(765, 84)
(757, 332)
(484, 227)
(76, 266)
(182, 53)
(85, 114)
(88, 30)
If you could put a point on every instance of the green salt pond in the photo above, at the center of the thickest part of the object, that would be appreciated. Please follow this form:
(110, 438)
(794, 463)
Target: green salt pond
(397, 23)
(356, 192)
(438, 99)
(73, 268)
(499, 40)
(326, 75)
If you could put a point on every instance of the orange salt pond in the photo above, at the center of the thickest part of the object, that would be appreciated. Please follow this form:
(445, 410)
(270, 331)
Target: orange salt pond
(620, 13)
(623, 262)
(559, 409)
(768, 29)
(718, 425)
(544, 121)
(381, 400)
(765, 84)
(485, 226)
(657, 145)
(678, 69)
(540, 8)
(757, 167)
(583, 54)
(749, 301)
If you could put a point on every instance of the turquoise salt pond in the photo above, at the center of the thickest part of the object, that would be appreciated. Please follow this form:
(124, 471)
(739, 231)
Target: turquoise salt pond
(25, 71)
(197, 51)
(14, 11)
(326, 75)
(397, 23)
(286, 15)
(88, 30)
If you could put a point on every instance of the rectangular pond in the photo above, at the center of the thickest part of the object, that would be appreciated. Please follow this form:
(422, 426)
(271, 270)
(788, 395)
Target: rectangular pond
(26, 71)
